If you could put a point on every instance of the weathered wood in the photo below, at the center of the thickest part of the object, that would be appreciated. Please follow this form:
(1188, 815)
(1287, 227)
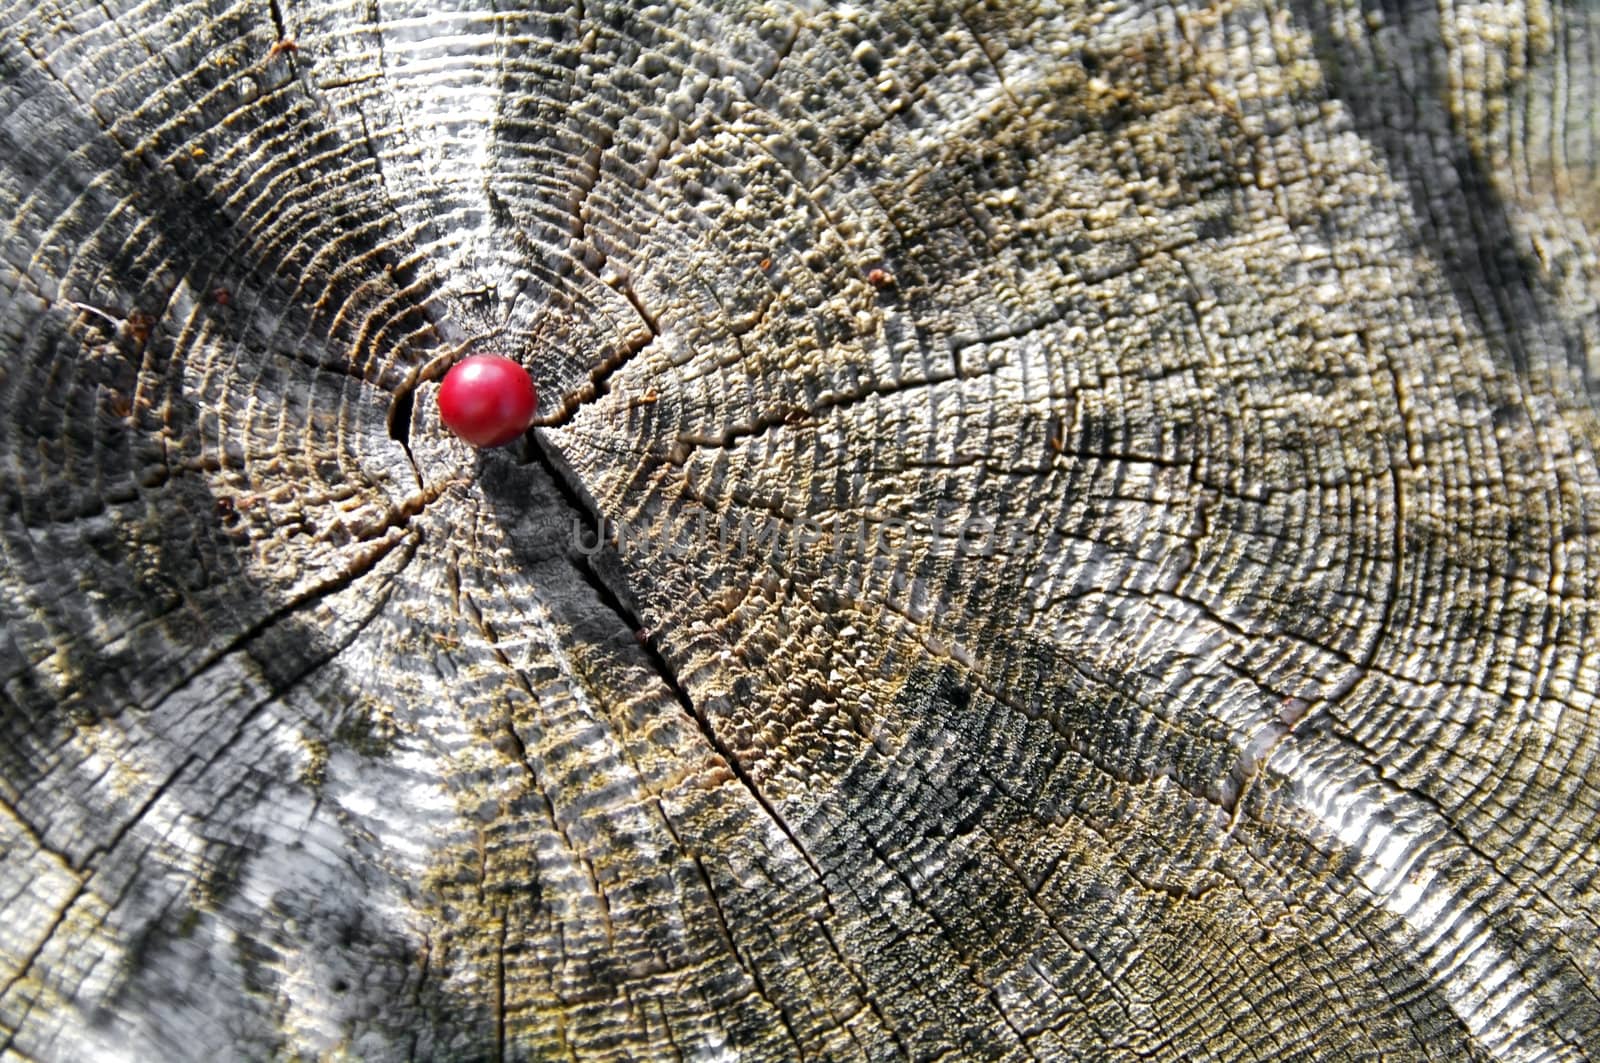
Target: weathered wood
(1101, 498)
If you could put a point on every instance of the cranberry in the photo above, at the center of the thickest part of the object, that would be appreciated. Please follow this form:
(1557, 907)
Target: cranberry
(487, 399)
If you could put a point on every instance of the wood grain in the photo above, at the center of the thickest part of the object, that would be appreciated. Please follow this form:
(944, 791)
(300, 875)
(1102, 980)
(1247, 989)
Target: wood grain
(1054, 532)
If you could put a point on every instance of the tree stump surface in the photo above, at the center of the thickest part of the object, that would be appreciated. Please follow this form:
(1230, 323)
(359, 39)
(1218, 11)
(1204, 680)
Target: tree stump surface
(1053, 532)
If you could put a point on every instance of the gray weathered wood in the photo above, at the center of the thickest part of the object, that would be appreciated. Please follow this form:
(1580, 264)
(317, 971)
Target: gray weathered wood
(1103, 506)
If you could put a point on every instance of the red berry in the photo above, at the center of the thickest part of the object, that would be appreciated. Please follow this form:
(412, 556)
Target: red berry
(487, 400)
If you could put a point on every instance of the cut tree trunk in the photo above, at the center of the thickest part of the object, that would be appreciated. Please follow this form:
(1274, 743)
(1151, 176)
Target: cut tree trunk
(1061, 532)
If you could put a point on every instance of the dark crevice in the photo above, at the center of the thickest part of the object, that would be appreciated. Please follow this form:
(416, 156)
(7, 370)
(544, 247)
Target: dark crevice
(749, 969)
(33, 956)
(500, 991)
(649, 319)
(590, 253)
(617, 600)
(362, 565)
(277, 19)
(600, 377)
(613, 601)
(519, 750)
(535, 452)
(400, 411)
(611, 596)
(403, 407)
(598, 384)
(688, 442)
(705, 880)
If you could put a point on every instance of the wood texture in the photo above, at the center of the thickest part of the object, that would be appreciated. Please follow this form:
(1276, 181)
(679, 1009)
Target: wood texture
(1055, 532)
